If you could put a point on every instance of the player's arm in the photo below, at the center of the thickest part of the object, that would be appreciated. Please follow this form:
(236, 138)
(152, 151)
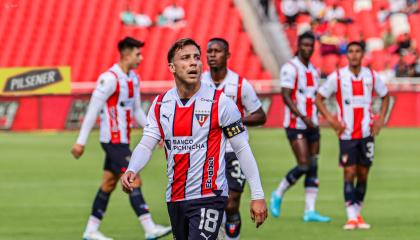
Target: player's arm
(139, 114)
(325, 91)
(105, 87)
(234, 130)
(382, 91)
(143, 151)
(252, 105)
(288, 78)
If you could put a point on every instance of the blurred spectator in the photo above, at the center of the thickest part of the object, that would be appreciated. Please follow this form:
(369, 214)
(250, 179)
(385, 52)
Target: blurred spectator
(388, 38)
(173, 13)
(127, 17)
(404, 43)
(382, 15)
(329, 44)
(362, 5)
(397, 6)
(265, 4)
(417, 66)
(335, 13)
(412, 6)
(290, 10)
(143, 20)
(401, 68)
(317, 9)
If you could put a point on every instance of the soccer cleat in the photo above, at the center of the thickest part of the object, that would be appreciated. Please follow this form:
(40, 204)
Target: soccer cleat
(361, 224)
(350, 225)
(314, 216)
(158, 232)
(275, 205)
(96, 235)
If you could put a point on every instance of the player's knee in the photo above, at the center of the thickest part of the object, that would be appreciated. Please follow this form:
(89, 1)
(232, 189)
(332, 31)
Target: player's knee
(109, 185)
(294, 174)
(137, 182)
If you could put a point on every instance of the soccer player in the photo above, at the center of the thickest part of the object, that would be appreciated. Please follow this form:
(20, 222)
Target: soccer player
(117, 98)
(299, 81)
(242, 92)
(354, 87)
(195, 121)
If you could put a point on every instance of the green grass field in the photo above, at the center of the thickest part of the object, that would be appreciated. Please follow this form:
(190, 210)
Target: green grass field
(46, 194)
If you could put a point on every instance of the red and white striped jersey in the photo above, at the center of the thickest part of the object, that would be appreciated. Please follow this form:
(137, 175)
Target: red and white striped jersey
(354, 99)
(304, 83)
(120, 91)
(195, 136)
(239, 90)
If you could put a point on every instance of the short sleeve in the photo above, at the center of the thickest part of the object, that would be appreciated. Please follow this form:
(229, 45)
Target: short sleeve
(287, 76)
(329, 86)
(230, 117)
(249, 97)
(152, 128)
(105, 86)
(380, 87)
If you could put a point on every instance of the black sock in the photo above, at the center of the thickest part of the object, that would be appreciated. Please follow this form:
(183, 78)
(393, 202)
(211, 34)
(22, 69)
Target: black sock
(100, 203)
(233, 225)
(360, 192)
(138, 203)
(349, 193)
(294, 174)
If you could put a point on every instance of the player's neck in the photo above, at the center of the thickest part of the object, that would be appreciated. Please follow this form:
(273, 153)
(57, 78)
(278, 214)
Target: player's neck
(303, 61)
(124, 68)
(218, 74)
(355, 69)
(186, 90)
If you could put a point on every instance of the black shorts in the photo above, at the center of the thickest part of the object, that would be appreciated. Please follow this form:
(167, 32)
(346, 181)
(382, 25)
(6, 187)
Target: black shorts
(116, 157)
(357, 152)
(310, 134)
(235, 176)
(197, 219)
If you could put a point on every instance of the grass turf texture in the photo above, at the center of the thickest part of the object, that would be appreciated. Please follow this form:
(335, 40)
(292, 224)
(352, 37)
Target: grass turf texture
(46, 194)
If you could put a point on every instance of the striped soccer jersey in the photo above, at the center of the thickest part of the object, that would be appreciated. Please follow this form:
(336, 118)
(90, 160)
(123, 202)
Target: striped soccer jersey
(304, 82)
(354, 99)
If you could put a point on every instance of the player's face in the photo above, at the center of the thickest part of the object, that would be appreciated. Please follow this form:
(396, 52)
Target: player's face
(355, 55)
(186, 64)
(216, 55)
(306, 48)
(134, 57)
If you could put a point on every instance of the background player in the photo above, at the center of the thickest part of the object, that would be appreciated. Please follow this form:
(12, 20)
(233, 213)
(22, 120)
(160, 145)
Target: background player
(195, 120)
(354, 87)
(299, 81)
(117, 97)
(242, 92)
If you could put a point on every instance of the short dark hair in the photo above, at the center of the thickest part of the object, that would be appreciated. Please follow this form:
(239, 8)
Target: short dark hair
(355, 43)
(306, 35)
(129, 43)
(222, 40)
(179, 44)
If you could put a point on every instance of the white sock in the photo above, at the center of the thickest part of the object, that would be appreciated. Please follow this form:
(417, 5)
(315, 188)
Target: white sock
(93, 224)
(236, 238)
(147, 222)
(310, 198)
(351, 212)
(282, 188)
(358, 208)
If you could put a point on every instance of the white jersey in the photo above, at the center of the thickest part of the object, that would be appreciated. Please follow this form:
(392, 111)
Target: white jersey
(354, 99)
(195, 136)
(304, 82)
(239, 90)
(116, 115)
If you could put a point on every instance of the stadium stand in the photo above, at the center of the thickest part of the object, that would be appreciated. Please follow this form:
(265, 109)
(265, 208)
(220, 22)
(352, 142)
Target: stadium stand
(390, 32)
(47, 32)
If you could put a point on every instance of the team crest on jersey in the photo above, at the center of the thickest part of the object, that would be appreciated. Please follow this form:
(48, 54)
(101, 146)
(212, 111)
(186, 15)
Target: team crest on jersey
(201, 118)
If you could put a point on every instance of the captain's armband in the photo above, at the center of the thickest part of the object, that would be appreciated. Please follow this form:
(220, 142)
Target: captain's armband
(234, 129)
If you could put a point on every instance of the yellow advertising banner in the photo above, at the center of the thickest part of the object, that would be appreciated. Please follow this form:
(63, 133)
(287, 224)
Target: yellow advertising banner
(18, 81)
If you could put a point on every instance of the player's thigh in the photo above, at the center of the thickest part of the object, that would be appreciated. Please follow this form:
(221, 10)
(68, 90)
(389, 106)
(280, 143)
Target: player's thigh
(313, 137)
(109, 181)
(205, 217)
(234, 174)
(179, 221)
(300, 150)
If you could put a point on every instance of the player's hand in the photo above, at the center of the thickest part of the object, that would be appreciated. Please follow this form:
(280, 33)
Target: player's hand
(258, 211)
(377, 126)
(77, 150)
(126, 180)
(337, 126)
(308, 122)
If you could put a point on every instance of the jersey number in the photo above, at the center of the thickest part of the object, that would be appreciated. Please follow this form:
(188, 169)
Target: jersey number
(208, 220)
(370, 150)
